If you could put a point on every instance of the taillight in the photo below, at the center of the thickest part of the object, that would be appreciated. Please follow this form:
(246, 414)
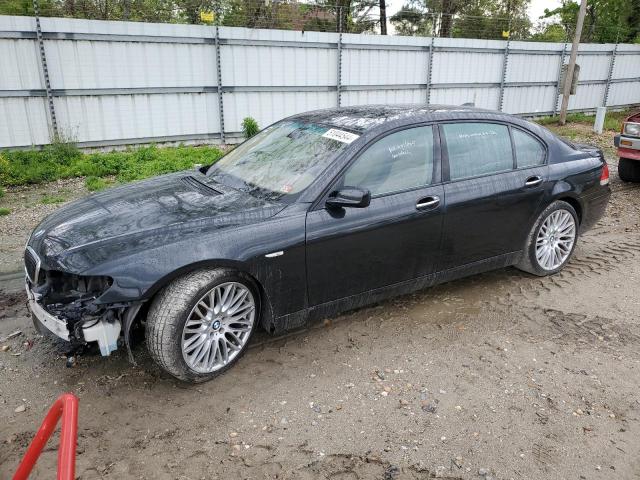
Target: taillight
(604, 176)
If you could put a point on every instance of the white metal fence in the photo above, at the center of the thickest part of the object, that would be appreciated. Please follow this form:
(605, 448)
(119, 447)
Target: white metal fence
(118, 83)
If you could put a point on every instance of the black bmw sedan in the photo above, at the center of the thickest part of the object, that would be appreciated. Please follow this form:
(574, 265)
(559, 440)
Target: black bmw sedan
(318, 213)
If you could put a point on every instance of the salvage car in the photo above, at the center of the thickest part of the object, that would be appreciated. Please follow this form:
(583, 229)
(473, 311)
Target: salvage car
(628, 144)
(319, 213)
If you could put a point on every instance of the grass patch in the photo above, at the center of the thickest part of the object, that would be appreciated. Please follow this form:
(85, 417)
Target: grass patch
(612, 121)
(95, 184)
(23, 167)
(4, 211)
(52, 199)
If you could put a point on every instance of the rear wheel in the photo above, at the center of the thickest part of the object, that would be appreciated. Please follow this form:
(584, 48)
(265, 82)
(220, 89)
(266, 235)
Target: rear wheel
(201, 323)
(551, 241)
(629, 170)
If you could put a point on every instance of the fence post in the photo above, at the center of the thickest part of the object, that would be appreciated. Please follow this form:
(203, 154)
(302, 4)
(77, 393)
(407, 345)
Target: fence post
(339, 65)
(45, 71)
(555, 103)
(219, 74)
(430, 64)
(505, 66)
(609, 75)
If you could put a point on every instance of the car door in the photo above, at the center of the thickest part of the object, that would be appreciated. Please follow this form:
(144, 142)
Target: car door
(490, 199)
(394, 239)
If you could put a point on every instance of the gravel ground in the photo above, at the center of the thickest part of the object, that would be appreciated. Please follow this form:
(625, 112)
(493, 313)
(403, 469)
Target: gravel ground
(501, 375)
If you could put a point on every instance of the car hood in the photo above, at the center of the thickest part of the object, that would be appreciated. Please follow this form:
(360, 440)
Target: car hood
(162, 208)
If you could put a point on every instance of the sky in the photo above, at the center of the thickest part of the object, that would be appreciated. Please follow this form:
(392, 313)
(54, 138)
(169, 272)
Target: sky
(536, 8)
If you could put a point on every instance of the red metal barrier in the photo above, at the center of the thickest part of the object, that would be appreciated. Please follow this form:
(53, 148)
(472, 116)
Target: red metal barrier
(66, 406)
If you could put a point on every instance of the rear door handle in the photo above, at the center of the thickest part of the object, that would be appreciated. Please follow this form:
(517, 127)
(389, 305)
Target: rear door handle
(428, 203)
(533, 181)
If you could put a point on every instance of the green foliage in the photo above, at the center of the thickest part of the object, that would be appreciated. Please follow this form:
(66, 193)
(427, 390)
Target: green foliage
(4, 211)
(613, 120)
(1, 192)
(52, 199)
(23, 167)
(249, 127)
(606, 21)
(551, 33)
(95, 184)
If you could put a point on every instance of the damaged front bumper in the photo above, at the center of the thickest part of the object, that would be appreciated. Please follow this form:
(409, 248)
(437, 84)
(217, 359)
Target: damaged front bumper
(106, 333)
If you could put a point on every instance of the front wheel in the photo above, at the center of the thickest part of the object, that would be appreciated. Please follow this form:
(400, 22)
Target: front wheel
(629, 170)
(200, 324)
(551, 241)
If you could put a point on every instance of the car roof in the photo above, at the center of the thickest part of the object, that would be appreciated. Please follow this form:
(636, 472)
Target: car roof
(366, 117)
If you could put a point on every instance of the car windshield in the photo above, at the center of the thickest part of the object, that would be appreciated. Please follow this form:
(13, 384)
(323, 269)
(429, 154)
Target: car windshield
(282, 160)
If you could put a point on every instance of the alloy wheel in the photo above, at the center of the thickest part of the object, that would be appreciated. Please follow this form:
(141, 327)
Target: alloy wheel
(218, 327)
(555, 239)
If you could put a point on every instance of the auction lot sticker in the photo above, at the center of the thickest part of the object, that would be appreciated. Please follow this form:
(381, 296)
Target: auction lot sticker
(340, 135)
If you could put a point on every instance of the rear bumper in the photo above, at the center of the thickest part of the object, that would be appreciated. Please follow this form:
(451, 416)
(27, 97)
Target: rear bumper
(628, 147)
(594, 210)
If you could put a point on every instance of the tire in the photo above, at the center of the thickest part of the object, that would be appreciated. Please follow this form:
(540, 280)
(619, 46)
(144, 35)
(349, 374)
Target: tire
(629, 170)
(169, 338)
(529, 261)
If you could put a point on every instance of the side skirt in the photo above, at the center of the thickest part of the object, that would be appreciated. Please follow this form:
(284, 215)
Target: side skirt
(301, 318)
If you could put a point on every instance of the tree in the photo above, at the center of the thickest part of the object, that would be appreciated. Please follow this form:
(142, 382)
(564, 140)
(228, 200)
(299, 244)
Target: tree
(412, 19)
(468, 18)
(383, 17)
(607, 21)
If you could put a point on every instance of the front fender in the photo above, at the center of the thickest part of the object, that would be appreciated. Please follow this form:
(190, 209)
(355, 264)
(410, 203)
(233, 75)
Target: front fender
(140, 275)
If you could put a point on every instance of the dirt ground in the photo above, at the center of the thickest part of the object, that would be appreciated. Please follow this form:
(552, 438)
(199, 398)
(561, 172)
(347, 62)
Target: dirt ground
(501, 375)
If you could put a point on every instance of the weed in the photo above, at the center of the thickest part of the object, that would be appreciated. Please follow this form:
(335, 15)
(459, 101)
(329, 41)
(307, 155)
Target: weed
(4, 211)
(57, 161)
(95, 184)
(613, 120)
(249, 127)
(52, 199)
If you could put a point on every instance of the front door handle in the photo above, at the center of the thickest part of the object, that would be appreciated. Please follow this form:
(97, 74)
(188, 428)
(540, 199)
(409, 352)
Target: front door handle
(428, 203)
(533, 181)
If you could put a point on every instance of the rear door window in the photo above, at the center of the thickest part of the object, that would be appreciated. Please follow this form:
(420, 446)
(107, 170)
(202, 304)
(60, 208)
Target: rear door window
(529, 151)
(477, 148)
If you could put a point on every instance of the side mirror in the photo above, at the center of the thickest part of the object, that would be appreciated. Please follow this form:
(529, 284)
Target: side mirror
(353, 197)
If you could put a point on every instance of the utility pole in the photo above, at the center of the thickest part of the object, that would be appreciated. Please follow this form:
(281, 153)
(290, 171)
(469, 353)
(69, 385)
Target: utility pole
(572, 63)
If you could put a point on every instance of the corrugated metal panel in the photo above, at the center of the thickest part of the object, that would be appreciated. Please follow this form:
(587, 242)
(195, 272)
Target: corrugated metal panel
(99, 64)
(587, 96)
(289, 71)
(19, 65)
(366, 97)
(23, 122)
(384, 67)
(268, 107)
(624, 93)
(533, 68)
(593, 67)
(480, 97)
(538, 99)
(278, 65)
(110, 117)
(458, 67)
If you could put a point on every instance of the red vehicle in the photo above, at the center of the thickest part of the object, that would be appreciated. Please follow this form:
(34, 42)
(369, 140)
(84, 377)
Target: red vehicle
(628, 143)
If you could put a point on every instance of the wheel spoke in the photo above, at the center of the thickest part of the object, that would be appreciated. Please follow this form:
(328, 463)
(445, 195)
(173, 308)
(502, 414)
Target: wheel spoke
(191, 343)
(224, 351)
